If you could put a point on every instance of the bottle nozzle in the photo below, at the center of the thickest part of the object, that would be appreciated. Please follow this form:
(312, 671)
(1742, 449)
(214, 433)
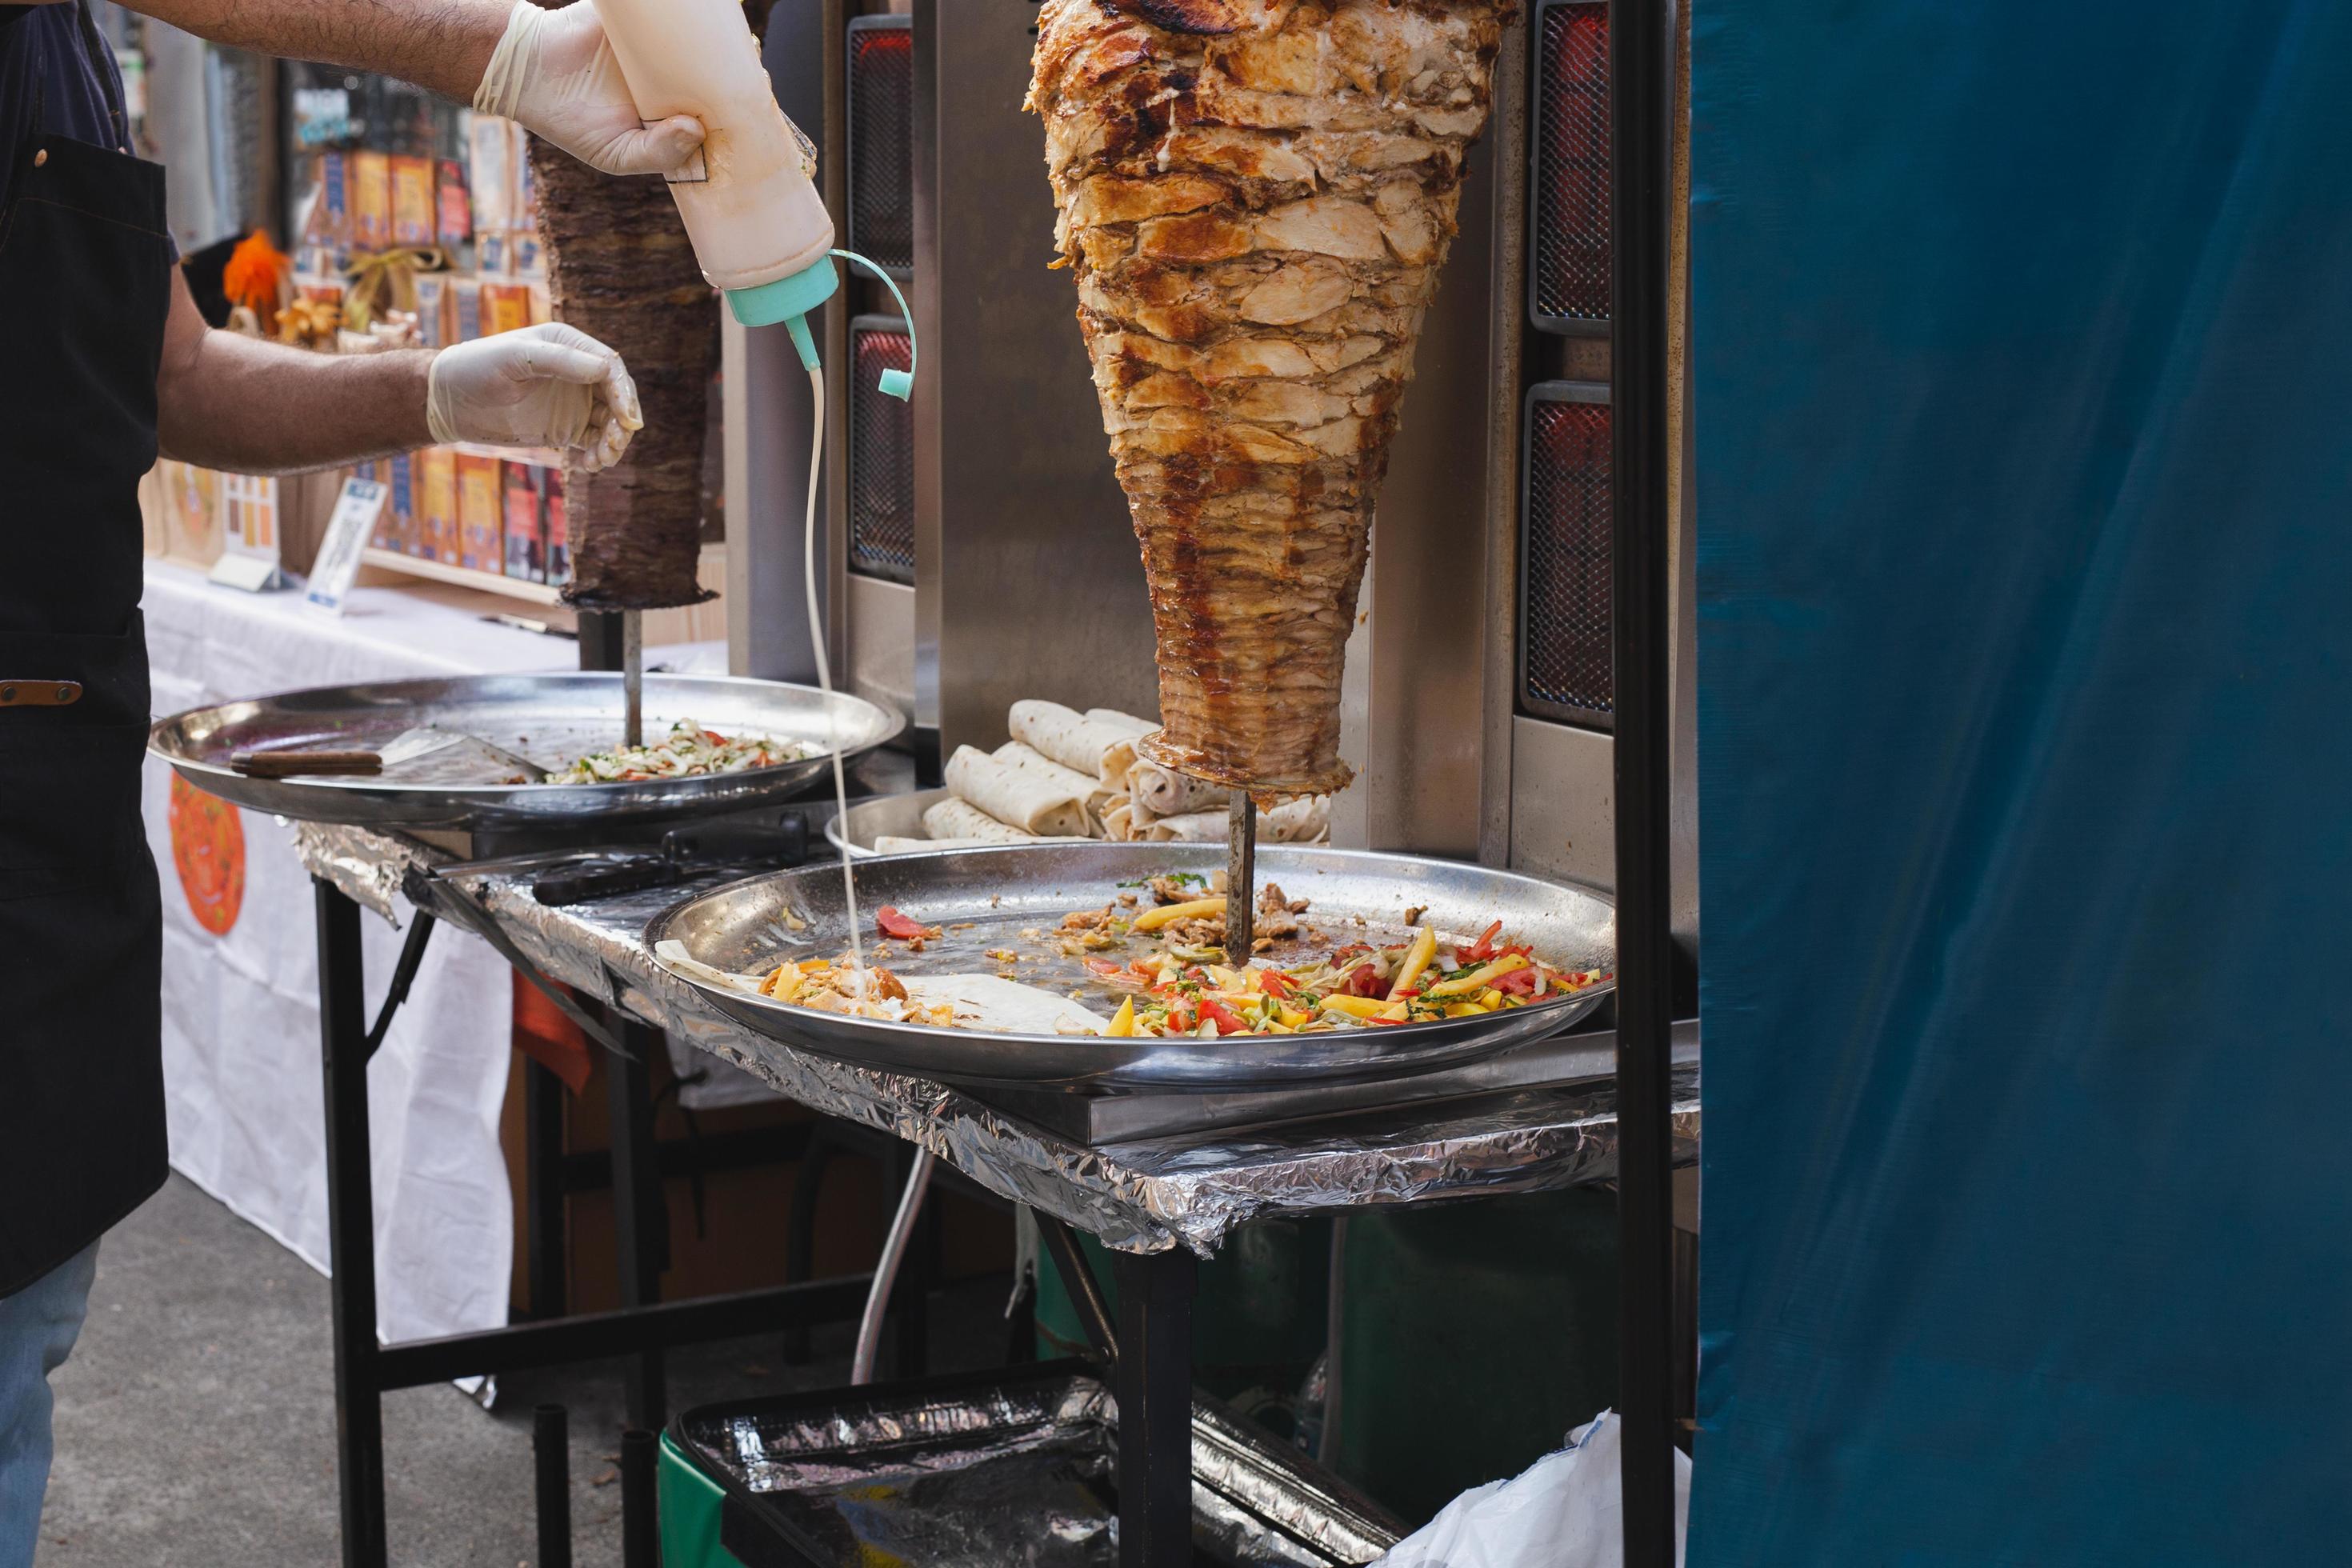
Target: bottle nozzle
(898, 383)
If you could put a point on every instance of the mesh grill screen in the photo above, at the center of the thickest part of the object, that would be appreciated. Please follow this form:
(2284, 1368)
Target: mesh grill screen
(881, 460)
(881, 142)
(1572, 195)
(1570, 667)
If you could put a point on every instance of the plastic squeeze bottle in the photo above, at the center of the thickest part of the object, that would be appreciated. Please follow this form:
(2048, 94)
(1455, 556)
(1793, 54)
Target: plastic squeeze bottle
(752, 210)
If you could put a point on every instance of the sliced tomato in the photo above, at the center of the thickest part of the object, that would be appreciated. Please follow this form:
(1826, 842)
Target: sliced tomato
(1341, 955)
(1518, 982)
(1104, 967)
(1482, 949)
(893, 923)
(1181, 1020)
(714, 737)
(1228, 1022)
(1365, 981)
(1274, 983)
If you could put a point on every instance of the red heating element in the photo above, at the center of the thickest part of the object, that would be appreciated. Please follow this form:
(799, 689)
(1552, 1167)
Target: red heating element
(1566, 662)
(1570, 273)
(881, 144)
(881, 458)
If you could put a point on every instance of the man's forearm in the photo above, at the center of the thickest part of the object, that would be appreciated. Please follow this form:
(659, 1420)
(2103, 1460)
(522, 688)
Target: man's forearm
(443, 45)
(226, 401)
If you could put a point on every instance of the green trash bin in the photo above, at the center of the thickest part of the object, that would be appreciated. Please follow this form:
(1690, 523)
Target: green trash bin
(1476, 1335)
(1259, 1318)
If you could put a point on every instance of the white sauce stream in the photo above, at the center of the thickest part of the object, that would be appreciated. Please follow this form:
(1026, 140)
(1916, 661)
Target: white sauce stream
(824, 676)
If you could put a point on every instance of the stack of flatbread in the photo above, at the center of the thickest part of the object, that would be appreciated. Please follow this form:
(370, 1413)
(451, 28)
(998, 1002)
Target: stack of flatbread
(1069, 775)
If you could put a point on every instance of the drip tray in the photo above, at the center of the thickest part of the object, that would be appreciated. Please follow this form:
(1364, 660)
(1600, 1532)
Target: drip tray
(1098, 1117)
(979, 1471)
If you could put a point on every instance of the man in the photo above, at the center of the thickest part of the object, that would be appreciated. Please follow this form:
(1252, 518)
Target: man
(104, 362)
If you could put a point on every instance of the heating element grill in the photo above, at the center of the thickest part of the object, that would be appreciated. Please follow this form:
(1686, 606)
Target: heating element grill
(1567, 274)
(1566, 670)
(881, 453)
(881, 141)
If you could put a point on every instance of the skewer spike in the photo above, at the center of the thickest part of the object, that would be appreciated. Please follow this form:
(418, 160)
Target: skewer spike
(633, 678)
(1241, 876)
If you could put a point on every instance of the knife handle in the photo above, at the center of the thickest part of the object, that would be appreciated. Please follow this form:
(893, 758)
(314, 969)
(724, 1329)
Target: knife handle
(281, 764)
(743, 843)
(564, 889)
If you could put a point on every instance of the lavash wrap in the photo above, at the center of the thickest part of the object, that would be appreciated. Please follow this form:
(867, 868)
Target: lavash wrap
(1031, 802)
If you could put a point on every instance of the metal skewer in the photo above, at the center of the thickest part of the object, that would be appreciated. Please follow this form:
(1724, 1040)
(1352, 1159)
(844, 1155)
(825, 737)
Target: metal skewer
(633, 678)
(1241, 876)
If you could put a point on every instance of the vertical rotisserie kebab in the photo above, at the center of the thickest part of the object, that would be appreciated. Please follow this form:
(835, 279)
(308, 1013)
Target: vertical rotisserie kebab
(1255, 198)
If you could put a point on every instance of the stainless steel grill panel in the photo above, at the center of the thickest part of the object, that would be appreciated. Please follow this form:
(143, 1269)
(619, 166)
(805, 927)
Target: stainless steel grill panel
(1567, 274)
(881, 141)
(881, 453)
(1566, 670)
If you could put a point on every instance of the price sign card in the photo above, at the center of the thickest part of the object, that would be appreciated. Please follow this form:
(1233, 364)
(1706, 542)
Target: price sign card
(348, 533)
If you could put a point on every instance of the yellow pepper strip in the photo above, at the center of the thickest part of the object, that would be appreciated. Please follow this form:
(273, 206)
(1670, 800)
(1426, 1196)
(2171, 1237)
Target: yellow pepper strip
(1394, 1010)
(1272, 1028)
(1465, 1009)
(1123, 1021)
(1490, 998)
(1478, 979)
(1196, 909)
(1354, 1006)
(1416, 958)
(1224, 978)
(1289, 1017)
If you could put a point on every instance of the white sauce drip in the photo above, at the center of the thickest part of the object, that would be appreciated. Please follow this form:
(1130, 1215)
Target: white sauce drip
(825, 679)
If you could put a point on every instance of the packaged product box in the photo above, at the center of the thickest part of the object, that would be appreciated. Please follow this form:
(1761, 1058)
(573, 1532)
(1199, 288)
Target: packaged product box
(506, 306)
(525, 260)
(453, 207)
(401, 505)
(437, 504)
(526, 523)
(542, 309)
(370, 180)
(413, 217)
(329, 226)
(433, 311)
(482, 520)
(489, 144)
(465, 309)
(559, 535)
(490, 253)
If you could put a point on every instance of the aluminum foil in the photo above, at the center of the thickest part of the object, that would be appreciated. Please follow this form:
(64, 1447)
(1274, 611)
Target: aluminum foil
(1019, 1470)
(1147, 1195)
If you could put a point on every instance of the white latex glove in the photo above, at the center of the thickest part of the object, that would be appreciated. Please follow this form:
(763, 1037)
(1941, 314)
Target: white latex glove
(554, 71)
(549, 385)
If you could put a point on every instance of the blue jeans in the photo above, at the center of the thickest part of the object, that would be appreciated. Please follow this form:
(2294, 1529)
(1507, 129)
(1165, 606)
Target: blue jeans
(39, 1326)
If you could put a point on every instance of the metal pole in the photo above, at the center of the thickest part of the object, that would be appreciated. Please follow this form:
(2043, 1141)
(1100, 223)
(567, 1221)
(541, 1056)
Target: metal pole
(1241, 876)
(886, 1273)
(637, 1209)
(633, 678)
(544, 1244)
(1640, 63)
(351, 1228)
(640, 1522)
(1153, 1382)
(550, 1452)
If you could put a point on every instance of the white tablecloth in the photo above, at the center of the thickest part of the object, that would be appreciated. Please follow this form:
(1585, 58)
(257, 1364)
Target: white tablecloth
(240, 1010)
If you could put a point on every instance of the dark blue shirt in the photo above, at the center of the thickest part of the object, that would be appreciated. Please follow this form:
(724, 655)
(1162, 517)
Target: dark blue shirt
(58, 78)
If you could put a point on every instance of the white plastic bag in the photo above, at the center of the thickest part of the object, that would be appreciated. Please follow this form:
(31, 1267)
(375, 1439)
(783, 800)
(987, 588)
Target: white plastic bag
(1564, 1512)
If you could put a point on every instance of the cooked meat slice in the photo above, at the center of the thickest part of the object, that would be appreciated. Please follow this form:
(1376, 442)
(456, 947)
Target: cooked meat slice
(1255, 197)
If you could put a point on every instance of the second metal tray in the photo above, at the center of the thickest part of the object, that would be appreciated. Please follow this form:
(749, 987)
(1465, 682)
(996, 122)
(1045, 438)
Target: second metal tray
(993, 901)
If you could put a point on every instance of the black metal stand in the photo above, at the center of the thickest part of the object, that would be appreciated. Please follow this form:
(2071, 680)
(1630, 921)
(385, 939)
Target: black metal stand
(642, 1329)
(1153, 1381)
(1640, 65)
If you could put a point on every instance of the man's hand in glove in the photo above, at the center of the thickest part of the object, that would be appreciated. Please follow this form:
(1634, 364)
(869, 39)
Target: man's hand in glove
(549, 385)
(553, 72)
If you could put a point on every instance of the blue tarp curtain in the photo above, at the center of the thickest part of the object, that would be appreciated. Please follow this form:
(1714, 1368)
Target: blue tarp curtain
(2023, 374)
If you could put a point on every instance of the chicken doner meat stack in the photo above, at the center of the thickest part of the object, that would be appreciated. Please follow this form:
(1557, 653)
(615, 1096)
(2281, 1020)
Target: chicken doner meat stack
(1255, 197)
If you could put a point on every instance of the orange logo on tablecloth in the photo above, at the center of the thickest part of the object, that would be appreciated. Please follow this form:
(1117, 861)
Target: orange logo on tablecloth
(208, 848)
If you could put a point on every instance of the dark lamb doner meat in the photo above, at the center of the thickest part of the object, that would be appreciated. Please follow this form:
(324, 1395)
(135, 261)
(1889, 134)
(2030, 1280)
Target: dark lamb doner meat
(1255, 199)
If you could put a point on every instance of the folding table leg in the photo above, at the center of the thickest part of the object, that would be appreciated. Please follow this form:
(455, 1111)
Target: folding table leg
(638, 1211)
(1153, 1381)
(351, 1228)
(544, 1239)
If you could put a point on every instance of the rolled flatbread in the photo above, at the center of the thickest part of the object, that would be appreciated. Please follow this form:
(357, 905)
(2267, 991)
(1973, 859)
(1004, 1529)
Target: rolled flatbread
(1085, 745)
(1094, 792)
(1302, 819)
(1026, 799)
(1119, 720)
(960, 819)
(1171, 794)
(1118, 820)
(891, 844)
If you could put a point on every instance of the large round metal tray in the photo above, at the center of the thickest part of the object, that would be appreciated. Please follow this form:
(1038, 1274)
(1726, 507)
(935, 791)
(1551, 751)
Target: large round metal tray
(986, 899)
(551, 719)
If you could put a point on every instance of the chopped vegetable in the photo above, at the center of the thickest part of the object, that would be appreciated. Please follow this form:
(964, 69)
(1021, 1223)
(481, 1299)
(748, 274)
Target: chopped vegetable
(690, 750)
(1194, 908)
(904, 927)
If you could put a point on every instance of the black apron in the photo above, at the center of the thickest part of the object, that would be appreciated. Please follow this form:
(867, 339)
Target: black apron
(85, 275)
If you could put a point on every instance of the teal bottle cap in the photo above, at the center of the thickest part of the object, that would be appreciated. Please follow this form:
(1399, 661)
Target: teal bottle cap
(765, 304)
(898, 383)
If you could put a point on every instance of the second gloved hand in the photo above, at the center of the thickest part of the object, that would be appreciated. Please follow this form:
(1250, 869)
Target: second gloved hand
(549, 385)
